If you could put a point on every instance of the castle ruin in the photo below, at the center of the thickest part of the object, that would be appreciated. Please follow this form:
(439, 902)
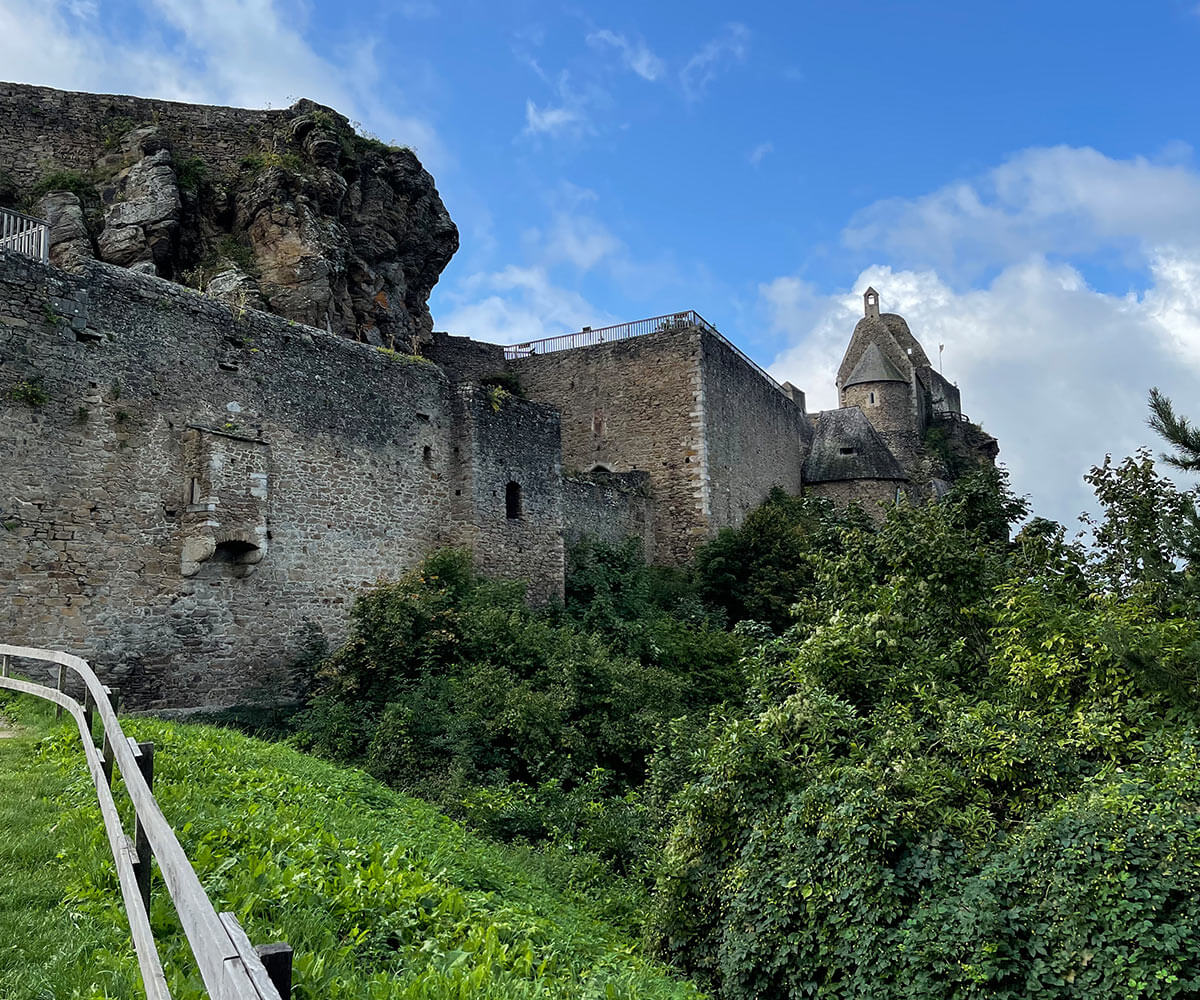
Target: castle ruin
(197, 480)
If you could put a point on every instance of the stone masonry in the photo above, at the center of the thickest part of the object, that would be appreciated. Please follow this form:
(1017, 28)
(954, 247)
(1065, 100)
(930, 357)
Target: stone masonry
(191, 496)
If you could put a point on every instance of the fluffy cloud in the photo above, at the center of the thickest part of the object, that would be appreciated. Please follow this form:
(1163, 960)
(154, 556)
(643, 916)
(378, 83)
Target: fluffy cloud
(516, 305)
(1059, 200)
(1056, 368)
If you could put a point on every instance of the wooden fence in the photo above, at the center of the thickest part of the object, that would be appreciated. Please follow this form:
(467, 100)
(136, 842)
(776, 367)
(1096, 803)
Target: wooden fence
(231, 968)
(24, 234)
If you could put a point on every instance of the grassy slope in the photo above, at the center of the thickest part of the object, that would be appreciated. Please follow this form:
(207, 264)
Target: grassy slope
(381, 896)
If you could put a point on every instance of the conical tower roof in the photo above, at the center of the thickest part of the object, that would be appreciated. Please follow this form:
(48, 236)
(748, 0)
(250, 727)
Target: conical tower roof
(873, 367)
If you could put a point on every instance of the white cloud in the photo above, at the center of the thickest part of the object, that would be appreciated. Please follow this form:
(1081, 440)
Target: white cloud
(1059, 200)
(517, 305)
(760, 152)
(581, 240)
(552, 121)
(636, 55)
(728, 47)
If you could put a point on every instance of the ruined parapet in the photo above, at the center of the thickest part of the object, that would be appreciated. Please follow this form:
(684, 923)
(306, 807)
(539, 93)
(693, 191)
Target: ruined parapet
(508, 488)
(291, 211)
(609, 507)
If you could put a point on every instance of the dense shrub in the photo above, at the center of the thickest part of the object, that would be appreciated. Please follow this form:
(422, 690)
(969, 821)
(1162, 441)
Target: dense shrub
(968, 769)
(531, 725)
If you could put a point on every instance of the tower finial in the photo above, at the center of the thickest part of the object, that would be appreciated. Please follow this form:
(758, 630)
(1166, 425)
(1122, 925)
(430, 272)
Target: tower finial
(870, 302)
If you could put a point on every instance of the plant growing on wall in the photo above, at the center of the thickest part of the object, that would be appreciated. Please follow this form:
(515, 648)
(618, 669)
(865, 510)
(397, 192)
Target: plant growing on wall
(32, 393)
(496, 395)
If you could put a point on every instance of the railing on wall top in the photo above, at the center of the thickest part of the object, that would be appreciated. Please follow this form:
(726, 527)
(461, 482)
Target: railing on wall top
(24, 234)
(587, 337)
(231, 968)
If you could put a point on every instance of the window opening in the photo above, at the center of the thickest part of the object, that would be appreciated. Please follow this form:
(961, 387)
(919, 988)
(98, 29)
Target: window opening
(848, 451)
(427, 455)
(512, 501)
(194, 491)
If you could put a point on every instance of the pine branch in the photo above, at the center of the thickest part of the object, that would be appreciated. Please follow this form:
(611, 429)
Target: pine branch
(1176, 430)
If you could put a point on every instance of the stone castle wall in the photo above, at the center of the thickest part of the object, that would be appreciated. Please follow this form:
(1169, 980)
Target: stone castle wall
(712, 435)
(190, 497)
(43, 130)
(633, 406)
(510, 444)
(609, 507)
(755, 437)
(873, 495)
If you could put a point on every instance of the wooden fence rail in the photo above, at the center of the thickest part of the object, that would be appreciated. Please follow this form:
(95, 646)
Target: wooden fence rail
(231, 968)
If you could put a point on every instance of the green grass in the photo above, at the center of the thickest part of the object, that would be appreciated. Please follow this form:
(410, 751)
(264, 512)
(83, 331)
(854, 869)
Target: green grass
(48, 947)
(381, 896)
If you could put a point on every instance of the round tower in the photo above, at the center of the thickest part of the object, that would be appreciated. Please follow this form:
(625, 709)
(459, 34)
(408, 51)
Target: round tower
(877, 387)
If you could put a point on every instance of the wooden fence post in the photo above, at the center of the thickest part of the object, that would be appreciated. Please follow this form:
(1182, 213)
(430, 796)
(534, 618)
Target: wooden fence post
(3, 666)
(87, 712)
(62, 680)
(277, 960)
(145, 763)
(106, 758)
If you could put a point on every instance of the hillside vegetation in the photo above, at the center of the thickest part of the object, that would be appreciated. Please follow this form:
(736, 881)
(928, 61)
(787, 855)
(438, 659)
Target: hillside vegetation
(839, 758)
(834, 758)
(380, 896)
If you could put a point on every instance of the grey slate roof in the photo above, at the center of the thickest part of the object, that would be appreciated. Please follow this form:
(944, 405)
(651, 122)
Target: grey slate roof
(873, 367)
(848, 427)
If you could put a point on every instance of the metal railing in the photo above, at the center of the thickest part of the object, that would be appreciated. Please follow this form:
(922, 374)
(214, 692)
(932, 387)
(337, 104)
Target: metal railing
(231, 968)
(24, 234)
(587, 337)
(952, 415)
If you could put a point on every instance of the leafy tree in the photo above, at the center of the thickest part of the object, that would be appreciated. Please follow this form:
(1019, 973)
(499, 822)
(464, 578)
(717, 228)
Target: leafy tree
(758, 570)
(1149, 535)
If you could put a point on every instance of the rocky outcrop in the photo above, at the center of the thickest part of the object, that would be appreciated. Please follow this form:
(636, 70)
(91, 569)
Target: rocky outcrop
(142, 207)
(69, 238)
(291, 212)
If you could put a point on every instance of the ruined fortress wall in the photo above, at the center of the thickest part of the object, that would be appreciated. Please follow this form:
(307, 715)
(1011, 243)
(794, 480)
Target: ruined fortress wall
(148, 432)
(466, 361)
(609, 507)
(43, 130)
(634, 405)
(755, 437)
(873, 495)
(502, 442)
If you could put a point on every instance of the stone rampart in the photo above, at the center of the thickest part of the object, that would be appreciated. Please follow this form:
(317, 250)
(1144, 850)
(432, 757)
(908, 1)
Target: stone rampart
(609, 507)
(192, 494)
(508, 488)
(43, 130)
(633, 406)
(755, 437)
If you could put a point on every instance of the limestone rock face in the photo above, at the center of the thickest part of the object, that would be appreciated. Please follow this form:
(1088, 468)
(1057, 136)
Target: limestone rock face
(292, 212)
(142, 206)
(69, 239)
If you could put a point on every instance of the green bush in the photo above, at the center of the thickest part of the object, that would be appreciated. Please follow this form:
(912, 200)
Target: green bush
(65, 180)
(966, 770)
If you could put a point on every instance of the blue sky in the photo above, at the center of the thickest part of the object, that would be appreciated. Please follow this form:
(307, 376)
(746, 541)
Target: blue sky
(1018, 179)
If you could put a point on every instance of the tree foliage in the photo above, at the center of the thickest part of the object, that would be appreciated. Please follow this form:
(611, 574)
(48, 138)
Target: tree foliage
(967, 770)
